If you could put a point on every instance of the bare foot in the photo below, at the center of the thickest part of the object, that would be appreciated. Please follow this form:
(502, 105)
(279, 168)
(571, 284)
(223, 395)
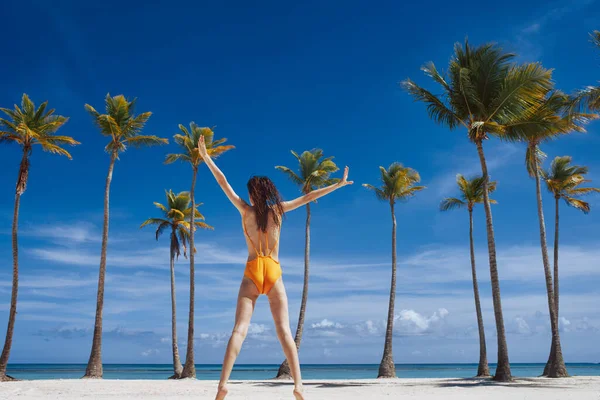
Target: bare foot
(298, 394)
(222, 393)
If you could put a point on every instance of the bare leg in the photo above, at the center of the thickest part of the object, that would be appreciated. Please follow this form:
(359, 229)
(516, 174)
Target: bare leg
(245, 307)
(279, 309)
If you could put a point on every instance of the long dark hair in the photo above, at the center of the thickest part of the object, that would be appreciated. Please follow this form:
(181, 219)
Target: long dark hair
(265, 197)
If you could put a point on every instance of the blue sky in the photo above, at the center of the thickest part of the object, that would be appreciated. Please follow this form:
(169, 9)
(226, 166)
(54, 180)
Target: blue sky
(271, 78)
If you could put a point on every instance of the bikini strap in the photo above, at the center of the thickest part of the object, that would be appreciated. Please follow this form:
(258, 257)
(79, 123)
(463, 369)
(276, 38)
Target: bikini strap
(248, 236)
(275, 245)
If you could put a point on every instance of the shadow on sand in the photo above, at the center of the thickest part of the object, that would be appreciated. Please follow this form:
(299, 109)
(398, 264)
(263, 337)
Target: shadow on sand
(466, 383)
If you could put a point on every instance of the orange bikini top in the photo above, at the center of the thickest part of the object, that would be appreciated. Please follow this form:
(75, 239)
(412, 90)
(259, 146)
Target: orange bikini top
(258, 253)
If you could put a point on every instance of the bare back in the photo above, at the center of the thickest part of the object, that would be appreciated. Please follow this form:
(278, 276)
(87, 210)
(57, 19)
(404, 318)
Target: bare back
(256, 240)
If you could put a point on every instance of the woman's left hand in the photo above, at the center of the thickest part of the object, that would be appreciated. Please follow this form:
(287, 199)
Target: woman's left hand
(202, 147)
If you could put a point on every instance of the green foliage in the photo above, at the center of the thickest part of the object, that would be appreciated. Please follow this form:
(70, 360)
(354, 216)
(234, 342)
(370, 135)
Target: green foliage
(397, 183)
(176, 216)
(483, 90)
(471, 193)
(121, 126)
(589, 97)
(188, 139)
(546, 121)
(28, 126)
(563, 180)
(314, 171)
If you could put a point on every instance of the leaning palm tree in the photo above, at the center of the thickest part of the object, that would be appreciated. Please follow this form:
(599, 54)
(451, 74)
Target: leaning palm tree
(397, 183)
(314, 172)
(188, 142)
(482, 92)
(548, 121)
(589, 97)
(27, 127)
(123, 129)
(472, 193)
(563, 181)
(175, 213)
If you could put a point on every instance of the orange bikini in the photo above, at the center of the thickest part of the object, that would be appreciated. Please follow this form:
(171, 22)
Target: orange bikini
(264, 271)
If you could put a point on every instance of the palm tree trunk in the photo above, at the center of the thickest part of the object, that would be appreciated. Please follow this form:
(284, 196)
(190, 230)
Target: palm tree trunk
(387, 369)
(557, 368)
(503, 373)
(483, 369)
(12, 314)
(94, 367)
(284, 369)
(552, 347)
(189, 369)
(177, 368)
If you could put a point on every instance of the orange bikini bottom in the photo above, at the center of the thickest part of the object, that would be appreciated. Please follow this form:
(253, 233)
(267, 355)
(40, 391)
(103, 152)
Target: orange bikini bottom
(264, 271)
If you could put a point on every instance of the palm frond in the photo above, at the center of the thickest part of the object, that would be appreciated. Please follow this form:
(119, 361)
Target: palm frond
(143, 140)
(578, 204)
(171, 158)
(27, 126)
(380, 194)
(153, 221)
(523, 89)
(437, 110)
(54, 149)
(203, 225)
(451, 203)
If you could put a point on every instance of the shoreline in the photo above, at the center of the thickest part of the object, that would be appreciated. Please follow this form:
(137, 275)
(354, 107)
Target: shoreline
(580, 388)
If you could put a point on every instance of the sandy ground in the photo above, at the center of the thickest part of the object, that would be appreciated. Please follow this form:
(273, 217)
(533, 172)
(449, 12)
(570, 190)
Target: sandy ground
(580, 388)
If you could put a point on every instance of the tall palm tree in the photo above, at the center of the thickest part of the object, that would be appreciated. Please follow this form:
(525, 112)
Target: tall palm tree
(188, 142)
(175, 213)
(397, 183)
(563, 181)
(472, 193)
(482, 92)
(27, 127)
(314, 172)
(547, 121)
(123, 129)
(589, 97)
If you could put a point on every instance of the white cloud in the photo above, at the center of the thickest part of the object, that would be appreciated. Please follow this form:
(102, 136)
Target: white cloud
(80, 232)
(564, 324)
(521, 326)
(410, 322)
(327, 324)
(257, 329)
(150, 352)
(368, 327)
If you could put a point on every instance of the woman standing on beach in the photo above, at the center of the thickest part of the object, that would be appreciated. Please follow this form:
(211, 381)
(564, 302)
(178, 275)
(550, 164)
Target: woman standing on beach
(261, 220)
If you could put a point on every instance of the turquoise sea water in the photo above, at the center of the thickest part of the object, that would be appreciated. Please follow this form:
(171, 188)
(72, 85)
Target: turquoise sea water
(264, 371)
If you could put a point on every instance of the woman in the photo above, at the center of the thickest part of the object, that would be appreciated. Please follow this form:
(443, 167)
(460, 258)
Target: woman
(261, 220)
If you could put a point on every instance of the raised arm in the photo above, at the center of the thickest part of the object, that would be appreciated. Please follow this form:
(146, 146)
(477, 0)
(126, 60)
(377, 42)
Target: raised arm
(220, 177)
(315, 194)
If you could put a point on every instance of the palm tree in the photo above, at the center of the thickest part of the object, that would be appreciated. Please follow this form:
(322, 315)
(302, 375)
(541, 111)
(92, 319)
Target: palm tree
(590, 96)
(471, 194)
(27, 126)
(563, 180)
(397, 183)
(314, 172)
(547, 121)
(484, 91)
(123, 129)
(188, 141)
(175, 214)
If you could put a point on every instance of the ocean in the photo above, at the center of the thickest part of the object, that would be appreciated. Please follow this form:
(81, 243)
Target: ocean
(266, 371)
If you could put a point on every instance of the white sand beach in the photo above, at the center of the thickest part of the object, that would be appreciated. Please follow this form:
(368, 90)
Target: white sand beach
(579, 388)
